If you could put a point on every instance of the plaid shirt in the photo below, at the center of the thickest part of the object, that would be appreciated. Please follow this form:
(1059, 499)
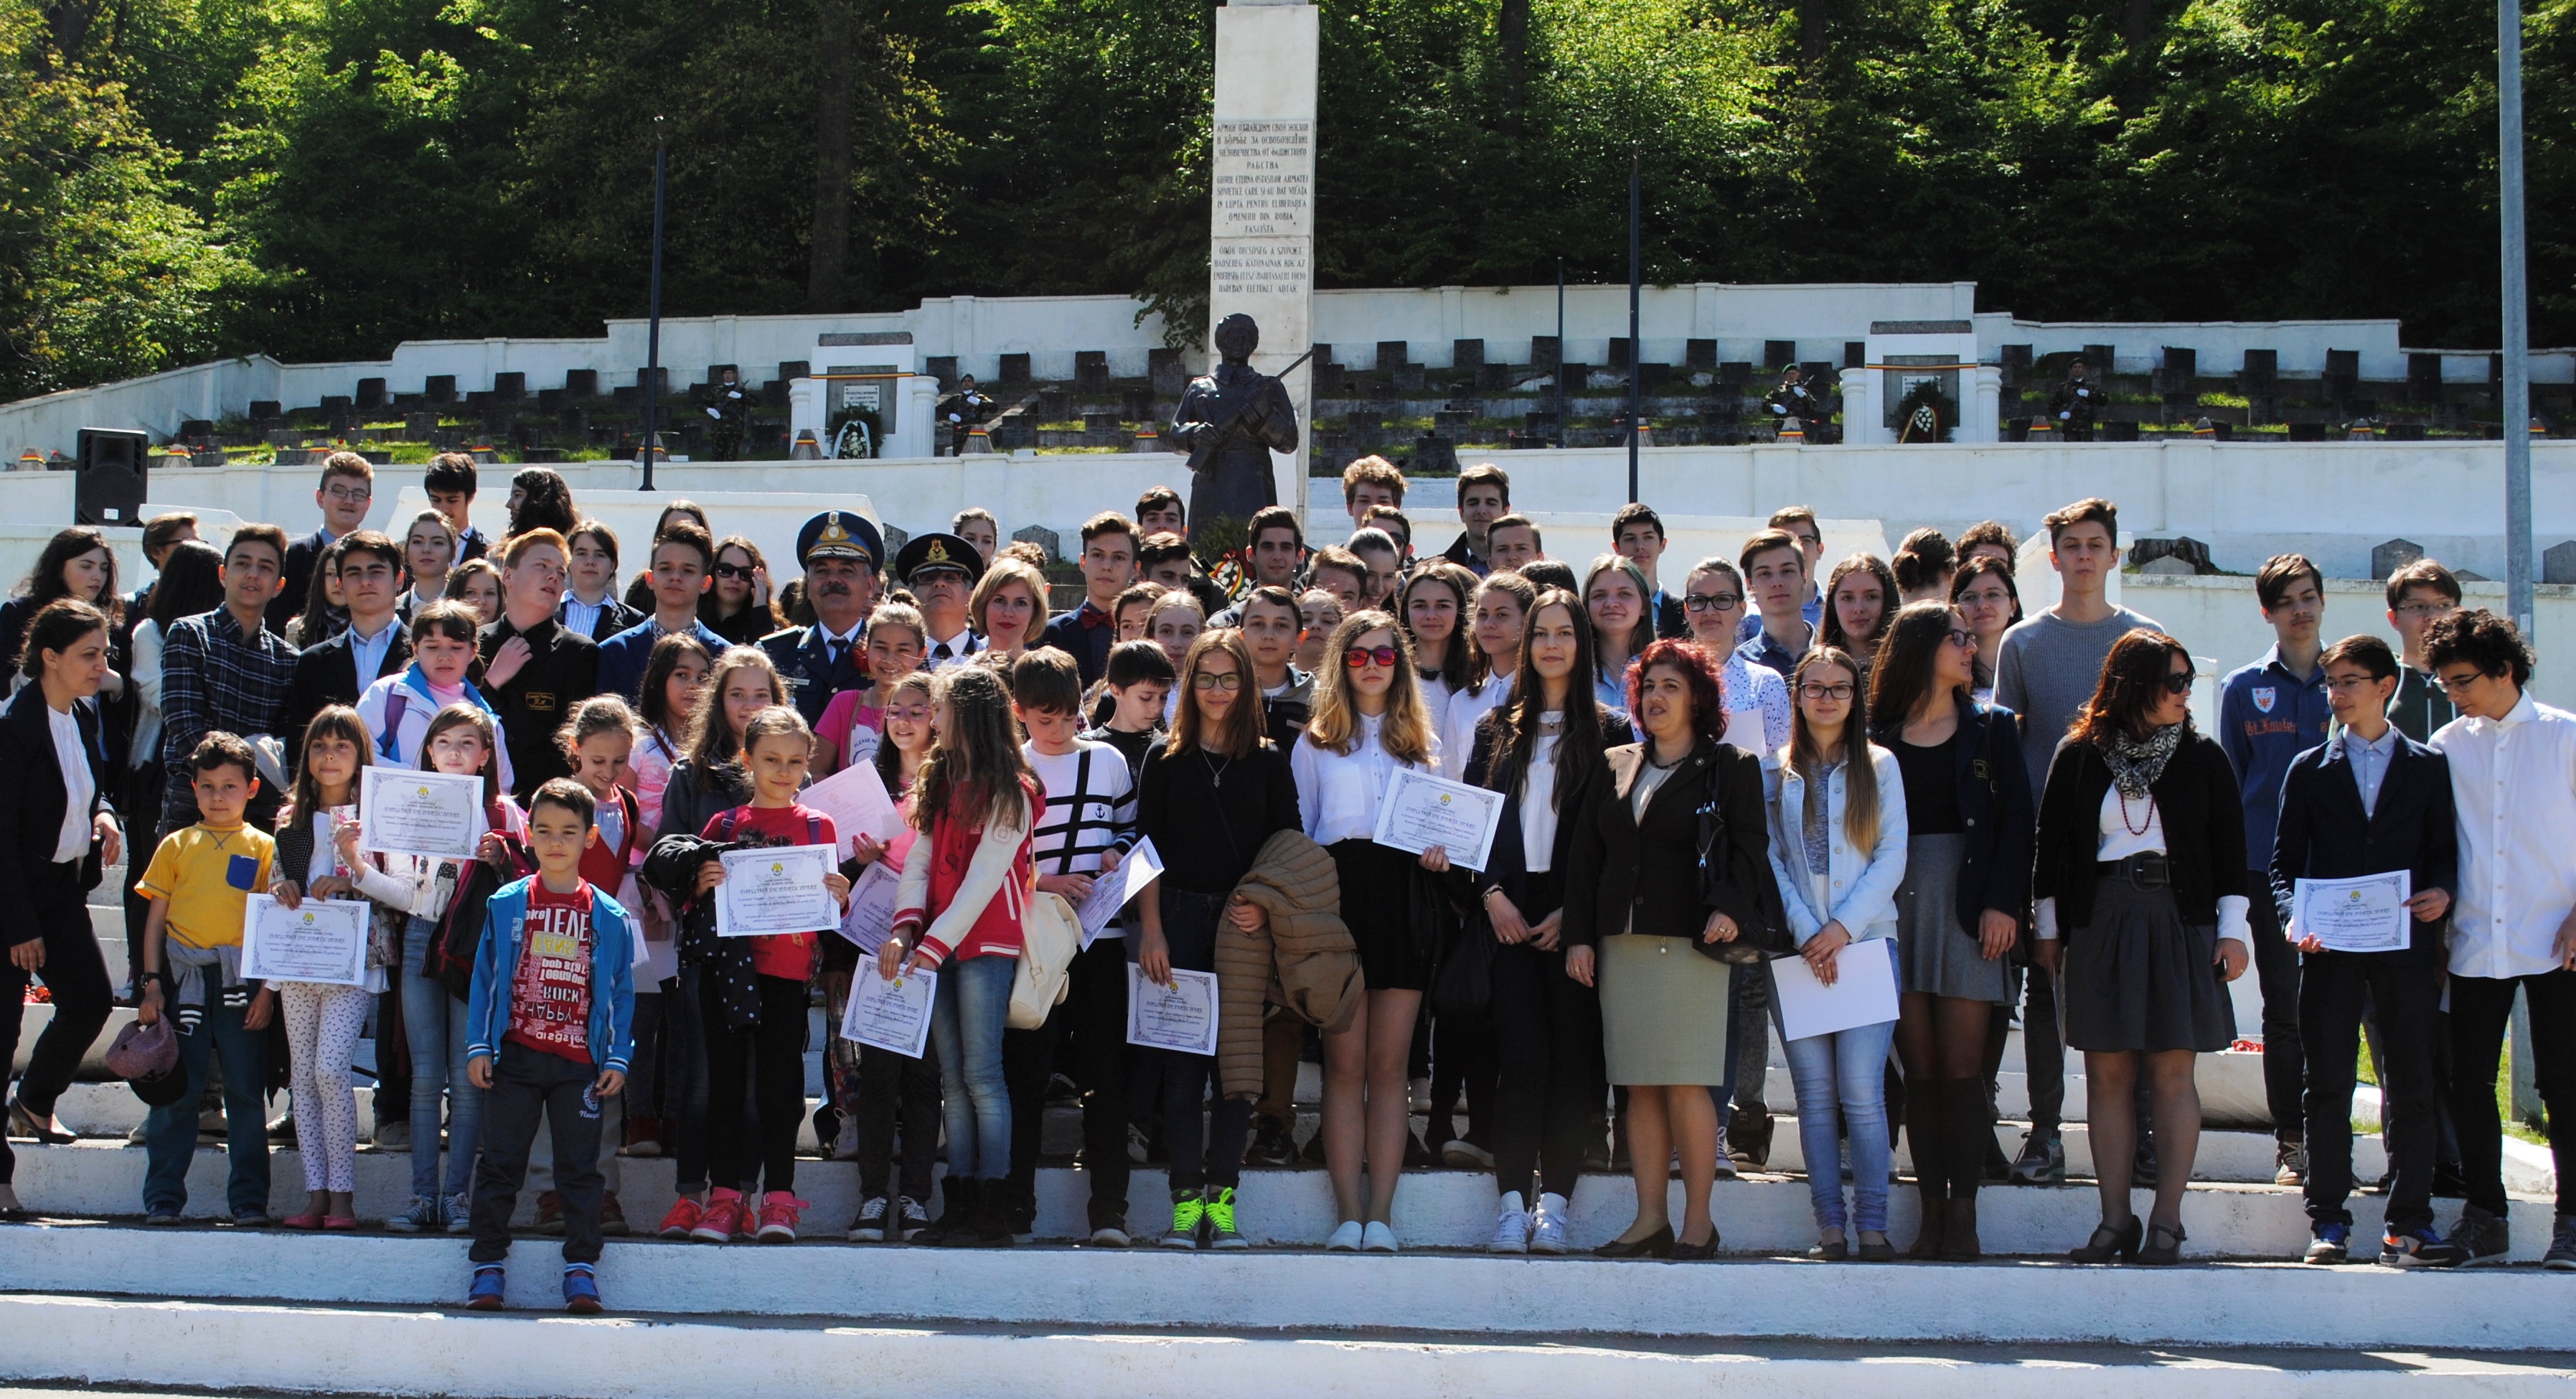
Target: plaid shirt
(214, 679)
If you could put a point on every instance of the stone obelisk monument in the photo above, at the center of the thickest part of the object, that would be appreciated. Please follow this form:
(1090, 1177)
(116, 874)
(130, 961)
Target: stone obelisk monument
(1261, 229)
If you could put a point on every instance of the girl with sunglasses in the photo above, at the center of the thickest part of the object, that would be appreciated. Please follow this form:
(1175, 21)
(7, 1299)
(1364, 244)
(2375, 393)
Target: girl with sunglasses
(1369, 721)
(1959, 911)
(737, 608)
(2140, 880)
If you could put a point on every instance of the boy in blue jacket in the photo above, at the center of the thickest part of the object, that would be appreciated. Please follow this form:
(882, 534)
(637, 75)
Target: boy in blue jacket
(550, 1013)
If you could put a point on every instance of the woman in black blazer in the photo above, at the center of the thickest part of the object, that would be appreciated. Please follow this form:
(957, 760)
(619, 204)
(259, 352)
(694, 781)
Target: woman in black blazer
(1959, 911)
(2142, 896)
(1649, 916)
(1542, 749)
(56, 831)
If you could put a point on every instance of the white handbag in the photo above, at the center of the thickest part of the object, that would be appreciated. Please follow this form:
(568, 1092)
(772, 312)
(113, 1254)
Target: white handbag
(1050, 938)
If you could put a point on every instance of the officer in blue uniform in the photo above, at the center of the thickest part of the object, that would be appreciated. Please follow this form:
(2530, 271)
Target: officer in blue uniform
(840, 551)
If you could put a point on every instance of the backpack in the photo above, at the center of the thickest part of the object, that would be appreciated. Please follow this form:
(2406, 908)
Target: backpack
(452, 948)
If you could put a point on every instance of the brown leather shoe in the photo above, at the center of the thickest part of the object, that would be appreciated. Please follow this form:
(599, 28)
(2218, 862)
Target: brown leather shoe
(612, 1216)
(1959, 1232)
(550, 1213)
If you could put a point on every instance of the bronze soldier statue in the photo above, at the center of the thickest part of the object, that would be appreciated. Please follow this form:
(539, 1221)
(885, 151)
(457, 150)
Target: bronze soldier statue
(1230, 421)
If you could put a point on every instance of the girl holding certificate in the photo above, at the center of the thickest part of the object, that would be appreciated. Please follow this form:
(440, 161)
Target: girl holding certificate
(1959, 911)
(1649, 921)
(318, 858)
(879, 1087)
(1208, 799)
(753, 1007)
(2140, 878)
(1541, 750)
(667, 1069)
(958, 913)
(1837, 808)
(1369, 721)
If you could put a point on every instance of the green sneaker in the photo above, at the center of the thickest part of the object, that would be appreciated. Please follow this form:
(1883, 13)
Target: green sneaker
(1220, 1221)
(1189, 1207)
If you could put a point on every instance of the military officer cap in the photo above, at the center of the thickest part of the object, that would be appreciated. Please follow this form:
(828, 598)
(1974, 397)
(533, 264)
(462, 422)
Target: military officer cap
(840, 534)
(935, 551)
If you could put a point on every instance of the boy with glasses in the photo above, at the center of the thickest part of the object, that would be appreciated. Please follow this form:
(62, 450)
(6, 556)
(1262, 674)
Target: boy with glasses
(2419, 594)
(2513, 782)
(2269, 713)
(347, 487)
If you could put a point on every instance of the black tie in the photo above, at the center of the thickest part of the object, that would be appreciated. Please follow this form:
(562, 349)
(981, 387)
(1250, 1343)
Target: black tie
(832, 653)
(943, 652)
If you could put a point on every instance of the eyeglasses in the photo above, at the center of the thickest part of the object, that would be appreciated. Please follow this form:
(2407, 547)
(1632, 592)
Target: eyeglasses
(1963, 639)
(2179, 684)
(914, 714)
(734, 570)
(2350, 682)
(1712, 602)
(1812, 690)
(1211, 680)
(2453, 684)
(347, 495)
(1358, 657)
(2421, 610)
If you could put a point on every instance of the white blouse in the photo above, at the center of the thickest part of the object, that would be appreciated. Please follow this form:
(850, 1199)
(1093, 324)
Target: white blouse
(1338, 793)
(1458, 727)
(1538, 805)
(80, 788)
(2119, 841)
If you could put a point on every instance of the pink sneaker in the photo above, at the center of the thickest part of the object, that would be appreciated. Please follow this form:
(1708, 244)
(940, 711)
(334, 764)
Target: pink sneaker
(778, 1216)
(684, 1216)
(723, 1218)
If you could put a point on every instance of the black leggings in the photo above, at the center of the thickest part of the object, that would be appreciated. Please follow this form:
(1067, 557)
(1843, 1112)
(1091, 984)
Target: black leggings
(773, 1052)
(1547, 1042)
(1216, 1161)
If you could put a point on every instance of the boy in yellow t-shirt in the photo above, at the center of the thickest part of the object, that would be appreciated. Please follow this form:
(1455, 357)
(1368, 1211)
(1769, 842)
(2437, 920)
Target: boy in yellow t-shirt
(200, 882)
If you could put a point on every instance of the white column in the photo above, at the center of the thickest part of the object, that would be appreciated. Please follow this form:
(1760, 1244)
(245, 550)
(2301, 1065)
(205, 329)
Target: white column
(805, 411)
(1861, 412)
(1261, 225)
(1981, 417)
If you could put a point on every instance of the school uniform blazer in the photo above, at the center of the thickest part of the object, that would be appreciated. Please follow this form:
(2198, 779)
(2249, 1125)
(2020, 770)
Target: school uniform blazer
(302, 557)
(1507, 865)
(326, 673)
(614, 616)
(2325, 835)
(1644, 875)
(32, 795)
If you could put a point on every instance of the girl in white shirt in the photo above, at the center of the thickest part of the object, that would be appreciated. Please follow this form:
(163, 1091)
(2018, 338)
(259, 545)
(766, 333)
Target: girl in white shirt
(1503, 602)
(1369, 722)
(1435, 603)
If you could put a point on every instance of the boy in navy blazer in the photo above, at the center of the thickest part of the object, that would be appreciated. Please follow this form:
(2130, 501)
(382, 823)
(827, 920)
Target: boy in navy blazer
(2369, 800)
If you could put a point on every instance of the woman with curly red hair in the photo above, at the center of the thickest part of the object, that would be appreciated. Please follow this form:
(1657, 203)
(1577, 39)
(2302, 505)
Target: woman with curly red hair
(1653, 932)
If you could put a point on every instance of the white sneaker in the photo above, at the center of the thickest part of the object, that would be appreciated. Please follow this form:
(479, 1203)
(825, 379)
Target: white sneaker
(1346, 1239)
(1511, 1227)
(1377, 1238)
(1419, 1089)
(1547, 1224)
(846, 1143)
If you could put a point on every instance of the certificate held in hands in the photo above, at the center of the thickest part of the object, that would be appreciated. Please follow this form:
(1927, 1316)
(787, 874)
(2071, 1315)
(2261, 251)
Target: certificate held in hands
(1180, 1016)
(890, 1014)
(319, 940)
(1421, 811)
(434, 814)
(777, 890)
(2368, 914)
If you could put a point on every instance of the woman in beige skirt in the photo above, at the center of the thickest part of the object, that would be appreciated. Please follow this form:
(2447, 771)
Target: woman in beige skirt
(1647, 937)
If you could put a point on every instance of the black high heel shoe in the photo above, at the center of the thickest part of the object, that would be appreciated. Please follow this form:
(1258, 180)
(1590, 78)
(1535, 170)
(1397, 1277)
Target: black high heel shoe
(1658, 1244)
(2108, 1243)
(2163, 1254)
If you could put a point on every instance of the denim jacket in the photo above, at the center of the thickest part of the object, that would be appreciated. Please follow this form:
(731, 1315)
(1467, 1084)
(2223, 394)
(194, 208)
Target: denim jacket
(1861, 884)
(612, 985)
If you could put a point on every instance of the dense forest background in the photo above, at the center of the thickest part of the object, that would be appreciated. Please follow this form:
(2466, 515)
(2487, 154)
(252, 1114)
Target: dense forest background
(324, 178)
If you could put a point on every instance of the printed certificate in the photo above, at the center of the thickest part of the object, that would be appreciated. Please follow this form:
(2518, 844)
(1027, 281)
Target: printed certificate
(322, 940)
(2368, 914)
(1421, 811)
(777, 890)
(890, 1014)
(434, 814)
(1180, 1016)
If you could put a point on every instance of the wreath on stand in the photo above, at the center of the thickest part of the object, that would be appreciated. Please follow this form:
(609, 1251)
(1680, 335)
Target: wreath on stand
(1925, 414)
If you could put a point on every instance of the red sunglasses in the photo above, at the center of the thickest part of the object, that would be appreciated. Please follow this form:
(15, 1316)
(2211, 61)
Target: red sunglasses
(1359, 656)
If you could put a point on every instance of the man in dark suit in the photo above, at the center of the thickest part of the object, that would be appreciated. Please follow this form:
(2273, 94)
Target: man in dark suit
(348, 487)
(840, 552)
(339, 670)
(2368, 801)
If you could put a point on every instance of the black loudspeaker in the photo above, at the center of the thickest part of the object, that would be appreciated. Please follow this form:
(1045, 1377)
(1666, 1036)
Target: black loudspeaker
(112, 463)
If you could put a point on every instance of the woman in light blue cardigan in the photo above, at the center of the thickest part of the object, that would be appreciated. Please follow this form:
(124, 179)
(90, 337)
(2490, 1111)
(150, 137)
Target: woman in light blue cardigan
(1837, 812)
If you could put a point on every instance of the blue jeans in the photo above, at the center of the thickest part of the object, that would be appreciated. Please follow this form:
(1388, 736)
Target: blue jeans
(966, 1022)
(434, 1026)
(170, 1133)
(1846, 1070)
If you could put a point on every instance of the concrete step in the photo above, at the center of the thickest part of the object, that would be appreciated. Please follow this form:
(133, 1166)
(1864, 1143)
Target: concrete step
(266, 1348)
(1443, 1209)
(1307, 1291)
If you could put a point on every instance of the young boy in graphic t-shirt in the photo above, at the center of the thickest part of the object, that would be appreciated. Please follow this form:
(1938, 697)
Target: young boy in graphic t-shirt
(550, 1013)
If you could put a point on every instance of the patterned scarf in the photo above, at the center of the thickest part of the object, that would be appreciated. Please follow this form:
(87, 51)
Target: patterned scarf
(2135, 762)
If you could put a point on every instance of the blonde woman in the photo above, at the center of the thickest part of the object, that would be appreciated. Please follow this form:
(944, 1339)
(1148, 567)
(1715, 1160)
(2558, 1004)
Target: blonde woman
(1009, 606)
(1369, 722)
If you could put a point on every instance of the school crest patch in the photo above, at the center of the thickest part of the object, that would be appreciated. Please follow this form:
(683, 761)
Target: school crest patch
(2264, 697)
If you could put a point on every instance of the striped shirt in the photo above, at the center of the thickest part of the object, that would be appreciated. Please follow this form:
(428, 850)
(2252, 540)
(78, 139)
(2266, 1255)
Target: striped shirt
(212, 677)
(1090, 808)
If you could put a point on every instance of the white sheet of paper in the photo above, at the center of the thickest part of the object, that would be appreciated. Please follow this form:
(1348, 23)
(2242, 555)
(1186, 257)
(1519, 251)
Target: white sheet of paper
(2355, 915)
(776, 890)
(855, 798)
(890, 1014)
(1421, 811)
(340, 816)
(1180, 1016)
(1863, 993)
(871, 914)
(405, 812)
(321, 940)
(1110, 892)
